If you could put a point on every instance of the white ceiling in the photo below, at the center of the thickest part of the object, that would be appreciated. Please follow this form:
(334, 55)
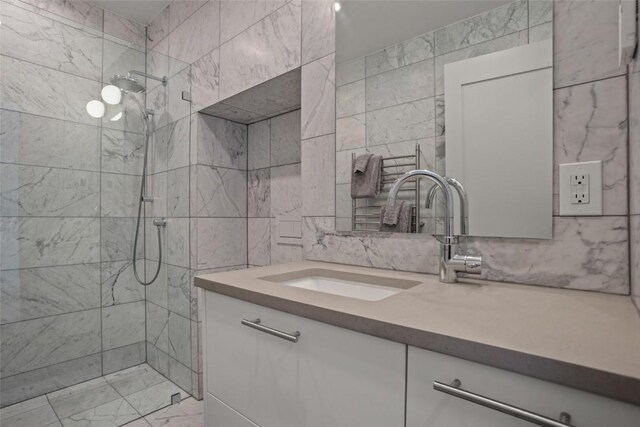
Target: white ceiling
(365, 26)
(141, 11)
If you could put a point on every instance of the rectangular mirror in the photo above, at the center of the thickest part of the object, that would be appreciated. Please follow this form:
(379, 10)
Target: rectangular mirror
(462, 88)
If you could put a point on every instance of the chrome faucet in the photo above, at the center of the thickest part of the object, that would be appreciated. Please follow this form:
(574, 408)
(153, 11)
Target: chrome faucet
(450, 263)
(464, 202)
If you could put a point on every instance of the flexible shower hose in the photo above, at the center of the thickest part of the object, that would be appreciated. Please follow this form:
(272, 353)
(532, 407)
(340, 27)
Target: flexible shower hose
(140, 202)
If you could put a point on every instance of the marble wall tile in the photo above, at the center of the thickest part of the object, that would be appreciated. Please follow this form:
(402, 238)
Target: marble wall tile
(541, 32)
(39, 381)
(180, 339)
(585, 253)
(590, 123)
(36, 412)
(34, 344)
(197, 35)
(178, 242)
(157, 330)
(156, 100)
(180, 375)
(318, 29)
(318, 98)
(82, 12)
(343, 164)
(406, 84)
(350, 71)
(178, 144)
(32, 37)
(236, 16)
(156, 292)
(286, 190)
(119, 194)
(118, 283)
(179, 290)
(405, 53)
(205, 80)
(40, 141)
(634, 143)
(220, 143)
(132, 120)
(259, 193)
(403, 122)
(498, 22)
(219, 192)
(156, 189)
(157, 62)
(158, 29)
(281, 253)
(350, 99)
(38, 292)
(350, 132)
(259, 243)
(122, 152)
(123, 324)
(279, 34)
(125, 357)
(41, 191)
(221, 242)
(120, 59)
(178, 192)
(158, 359)
(343, 201)
(41, 242)
(181, 10)
(318, 176)
(509, 41)
(285, 139)
(540, 12)
(30, 88)
(177, 107)
(116, 239)
(124, 29)
(259, 145)
(585, 42)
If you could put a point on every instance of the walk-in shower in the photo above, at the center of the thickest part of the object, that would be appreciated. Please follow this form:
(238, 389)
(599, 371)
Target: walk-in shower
(128, 84)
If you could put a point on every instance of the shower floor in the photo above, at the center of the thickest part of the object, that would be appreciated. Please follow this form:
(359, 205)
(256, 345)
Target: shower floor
(135, 397)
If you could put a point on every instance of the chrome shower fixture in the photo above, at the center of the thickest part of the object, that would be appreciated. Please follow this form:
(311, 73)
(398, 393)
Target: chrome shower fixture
(131, 85)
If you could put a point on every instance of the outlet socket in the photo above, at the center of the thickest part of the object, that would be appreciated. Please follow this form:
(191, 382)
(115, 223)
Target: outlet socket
(581, 189)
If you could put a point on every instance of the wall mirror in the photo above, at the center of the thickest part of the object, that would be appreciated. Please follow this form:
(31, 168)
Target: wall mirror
(463, 88)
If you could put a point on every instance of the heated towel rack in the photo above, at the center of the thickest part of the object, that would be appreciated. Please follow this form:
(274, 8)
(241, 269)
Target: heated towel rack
(365, 215)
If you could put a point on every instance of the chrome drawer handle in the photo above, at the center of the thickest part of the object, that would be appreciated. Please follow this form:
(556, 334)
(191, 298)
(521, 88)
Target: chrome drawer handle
(455, 390)
(255, 324)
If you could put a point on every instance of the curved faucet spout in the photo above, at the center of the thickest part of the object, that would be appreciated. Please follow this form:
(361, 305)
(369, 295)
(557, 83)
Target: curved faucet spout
(441, 183)
(464, 202)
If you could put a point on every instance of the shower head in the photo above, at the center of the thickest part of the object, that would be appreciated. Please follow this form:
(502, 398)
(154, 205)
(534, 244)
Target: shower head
(127, 83)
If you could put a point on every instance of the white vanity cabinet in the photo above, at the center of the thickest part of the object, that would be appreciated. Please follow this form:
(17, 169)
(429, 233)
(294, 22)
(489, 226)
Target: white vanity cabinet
(330, 377)
(427, 407)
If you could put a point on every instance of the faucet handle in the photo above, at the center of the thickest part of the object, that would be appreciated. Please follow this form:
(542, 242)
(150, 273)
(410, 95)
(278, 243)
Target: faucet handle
(467, 264)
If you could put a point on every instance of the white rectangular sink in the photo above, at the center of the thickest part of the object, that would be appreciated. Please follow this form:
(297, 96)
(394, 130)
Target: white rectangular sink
(358, 286)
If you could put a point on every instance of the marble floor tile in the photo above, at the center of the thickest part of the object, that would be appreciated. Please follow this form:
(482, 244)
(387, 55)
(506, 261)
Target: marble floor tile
(82, 397)
(141, 422)
(134, 379)
(123, 324)
(36, 412)
(155, 397)
(111, 414)
(188, 413)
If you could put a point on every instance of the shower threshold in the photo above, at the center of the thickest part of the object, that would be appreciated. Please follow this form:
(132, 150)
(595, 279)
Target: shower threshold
(136, 397)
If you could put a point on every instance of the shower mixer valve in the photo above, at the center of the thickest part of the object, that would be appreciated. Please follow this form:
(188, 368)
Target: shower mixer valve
(160, 222)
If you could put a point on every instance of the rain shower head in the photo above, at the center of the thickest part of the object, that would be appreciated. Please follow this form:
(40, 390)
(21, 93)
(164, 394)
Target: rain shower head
(127, 83)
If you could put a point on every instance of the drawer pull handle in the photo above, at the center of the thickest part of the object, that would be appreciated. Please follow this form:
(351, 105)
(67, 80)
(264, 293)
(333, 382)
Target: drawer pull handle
(455, 390)
(255, 324)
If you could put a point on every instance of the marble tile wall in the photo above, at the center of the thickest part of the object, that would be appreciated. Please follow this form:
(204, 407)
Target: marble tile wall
(634, 178)
(273, 187)
(590, 122)
(71, 310)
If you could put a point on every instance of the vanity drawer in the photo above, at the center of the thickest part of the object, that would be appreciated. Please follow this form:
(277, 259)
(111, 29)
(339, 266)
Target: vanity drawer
(220, 415)
(427, 407)
(330, 377)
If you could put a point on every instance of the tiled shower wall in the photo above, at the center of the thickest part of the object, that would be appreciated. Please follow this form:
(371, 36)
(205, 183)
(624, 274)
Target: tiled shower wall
(390, 100)
(634, 177)
(70, 310)
(273, 187)
(591, 123)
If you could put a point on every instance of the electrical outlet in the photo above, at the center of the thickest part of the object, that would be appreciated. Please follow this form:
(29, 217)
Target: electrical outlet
(581, 189)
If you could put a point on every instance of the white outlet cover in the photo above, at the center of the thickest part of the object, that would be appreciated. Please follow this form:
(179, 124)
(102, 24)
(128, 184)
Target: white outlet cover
(594, 207)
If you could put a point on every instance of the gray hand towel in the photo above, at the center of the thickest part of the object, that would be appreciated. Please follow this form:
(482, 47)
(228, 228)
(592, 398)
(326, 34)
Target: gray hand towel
(361, 162)
(367, 184)
(396, 218)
